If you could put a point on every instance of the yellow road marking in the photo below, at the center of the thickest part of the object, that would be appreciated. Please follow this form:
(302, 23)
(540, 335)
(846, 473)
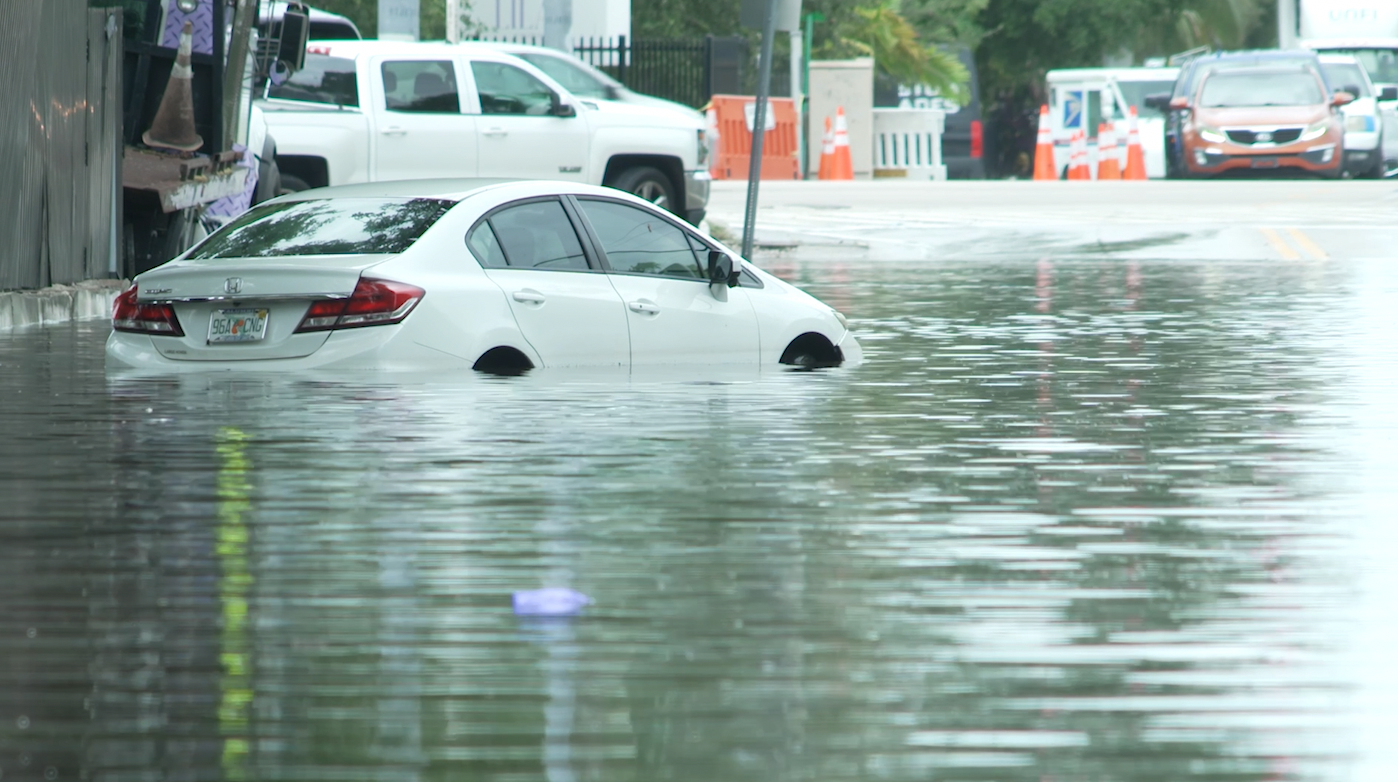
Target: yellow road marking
(1283, 249)
(1305, 243)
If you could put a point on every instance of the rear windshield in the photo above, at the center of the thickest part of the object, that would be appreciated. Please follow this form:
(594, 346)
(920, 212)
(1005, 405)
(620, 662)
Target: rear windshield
(1261, 89)
(339, 226)
(1382, 64)
(324, 79)
(1348, 78)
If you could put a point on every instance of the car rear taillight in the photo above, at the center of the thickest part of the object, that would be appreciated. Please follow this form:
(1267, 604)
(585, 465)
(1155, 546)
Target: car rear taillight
(128, 314)
(373, 303)
(977, 139)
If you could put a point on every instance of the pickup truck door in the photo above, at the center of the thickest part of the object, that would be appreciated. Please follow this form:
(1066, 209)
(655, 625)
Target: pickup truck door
(520, 136)
(419, 129)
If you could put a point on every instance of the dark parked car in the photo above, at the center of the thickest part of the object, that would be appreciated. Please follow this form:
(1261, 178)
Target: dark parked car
(1187, 84)
(963, 140)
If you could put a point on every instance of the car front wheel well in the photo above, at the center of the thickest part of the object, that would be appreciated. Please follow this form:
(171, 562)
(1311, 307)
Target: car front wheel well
(812, 351)
(503, 360)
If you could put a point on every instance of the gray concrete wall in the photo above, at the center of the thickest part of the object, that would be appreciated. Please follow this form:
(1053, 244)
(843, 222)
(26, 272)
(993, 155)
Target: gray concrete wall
(848, 84)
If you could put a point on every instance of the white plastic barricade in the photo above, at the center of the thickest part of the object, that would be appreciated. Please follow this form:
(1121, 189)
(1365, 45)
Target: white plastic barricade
(908, 143)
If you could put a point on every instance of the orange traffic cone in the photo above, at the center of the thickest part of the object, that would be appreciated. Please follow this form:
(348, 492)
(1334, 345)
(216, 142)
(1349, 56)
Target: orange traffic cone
(841, 165)
(1077, 159)
(827, 151)
(1135, 154)
(173, 126)
(1043, 149)
(1108, 163)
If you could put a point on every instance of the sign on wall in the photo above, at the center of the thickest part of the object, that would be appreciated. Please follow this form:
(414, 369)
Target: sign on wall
(398, 20)
(1349, 19)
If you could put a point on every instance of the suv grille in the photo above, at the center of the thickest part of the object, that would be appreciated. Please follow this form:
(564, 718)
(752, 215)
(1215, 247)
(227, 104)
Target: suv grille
(1278, 136)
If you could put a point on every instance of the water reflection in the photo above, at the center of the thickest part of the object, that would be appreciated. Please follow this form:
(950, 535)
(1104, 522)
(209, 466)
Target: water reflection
(1071, 521)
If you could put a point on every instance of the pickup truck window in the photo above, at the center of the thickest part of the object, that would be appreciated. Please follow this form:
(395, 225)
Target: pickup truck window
(505, 89)
(569, 72)
(422, 86)
(338, 226)
(324, 79)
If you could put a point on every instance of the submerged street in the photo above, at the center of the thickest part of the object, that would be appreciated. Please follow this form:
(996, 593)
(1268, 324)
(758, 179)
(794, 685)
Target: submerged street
(1112, 498)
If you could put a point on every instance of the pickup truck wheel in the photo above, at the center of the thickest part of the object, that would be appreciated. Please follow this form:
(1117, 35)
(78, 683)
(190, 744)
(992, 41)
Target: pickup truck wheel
(648, 183)
(292, 184)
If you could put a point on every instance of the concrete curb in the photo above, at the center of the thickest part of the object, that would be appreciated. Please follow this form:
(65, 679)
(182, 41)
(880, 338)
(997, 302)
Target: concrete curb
(87, 300)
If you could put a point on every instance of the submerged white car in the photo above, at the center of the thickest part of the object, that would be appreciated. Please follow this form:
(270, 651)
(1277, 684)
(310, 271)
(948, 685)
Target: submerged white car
(499, 275)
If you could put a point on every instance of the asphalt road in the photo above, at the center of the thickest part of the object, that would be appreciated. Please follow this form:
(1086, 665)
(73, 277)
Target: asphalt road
(1222, 220)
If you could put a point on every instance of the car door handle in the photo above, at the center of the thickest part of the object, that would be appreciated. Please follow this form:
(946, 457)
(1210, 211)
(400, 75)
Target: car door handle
(495, 132)
(643, 306)
(528, 297)
(394, 131)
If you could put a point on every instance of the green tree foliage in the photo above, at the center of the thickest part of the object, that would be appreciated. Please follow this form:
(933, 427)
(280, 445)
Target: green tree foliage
(432, 16)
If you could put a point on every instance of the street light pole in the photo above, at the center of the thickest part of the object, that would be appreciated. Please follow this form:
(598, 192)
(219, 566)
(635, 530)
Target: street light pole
(759, 123)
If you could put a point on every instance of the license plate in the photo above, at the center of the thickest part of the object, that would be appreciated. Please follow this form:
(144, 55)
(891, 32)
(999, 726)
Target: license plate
(1264, 162)
(237, 325)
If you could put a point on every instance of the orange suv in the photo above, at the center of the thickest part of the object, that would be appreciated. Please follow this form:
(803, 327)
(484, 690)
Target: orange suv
(1263, 119)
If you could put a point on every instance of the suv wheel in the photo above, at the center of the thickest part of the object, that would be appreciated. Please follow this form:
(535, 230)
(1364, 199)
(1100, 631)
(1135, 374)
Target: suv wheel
(650, 184)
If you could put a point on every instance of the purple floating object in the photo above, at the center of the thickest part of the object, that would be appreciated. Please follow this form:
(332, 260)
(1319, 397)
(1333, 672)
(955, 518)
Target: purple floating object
(550, 601)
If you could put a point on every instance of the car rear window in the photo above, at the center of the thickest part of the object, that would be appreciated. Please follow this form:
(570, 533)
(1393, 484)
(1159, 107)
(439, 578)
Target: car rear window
(328, 226)
(1261, 89)
(324, 79)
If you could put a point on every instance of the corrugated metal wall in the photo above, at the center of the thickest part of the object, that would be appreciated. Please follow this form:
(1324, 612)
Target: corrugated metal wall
(60, 130)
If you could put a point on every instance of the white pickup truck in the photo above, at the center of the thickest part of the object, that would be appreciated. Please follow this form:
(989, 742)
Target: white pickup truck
(367, 111)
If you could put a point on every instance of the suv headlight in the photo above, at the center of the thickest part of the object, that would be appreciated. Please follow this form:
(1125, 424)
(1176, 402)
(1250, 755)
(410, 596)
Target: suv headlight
(1316, 131)
(1361, 123)
(1211, 135)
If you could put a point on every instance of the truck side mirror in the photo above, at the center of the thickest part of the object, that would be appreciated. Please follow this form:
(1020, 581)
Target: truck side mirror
(1159, 101)
(295, 31)
(1388, 93)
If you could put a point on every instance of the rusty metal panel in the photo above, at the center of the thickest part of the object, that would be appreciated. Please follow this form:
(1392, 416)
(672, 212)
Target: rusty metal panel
(58, 126)
(22, 146)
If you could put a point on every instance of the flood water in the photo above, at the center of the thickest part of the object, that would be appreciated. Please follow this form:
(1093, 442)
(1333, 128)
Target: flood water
(1085, 520)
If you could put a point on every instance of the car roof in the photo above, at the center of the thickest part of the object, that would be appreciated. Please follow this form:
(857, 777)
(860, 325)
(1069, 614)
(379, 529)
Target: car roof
(457, 189)
(1337, 59)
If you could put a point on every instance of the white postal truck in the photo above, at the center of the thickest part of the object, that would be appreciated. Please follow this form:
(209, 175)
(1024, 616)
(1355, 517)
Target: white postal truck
(369, 111)
(1081, 98)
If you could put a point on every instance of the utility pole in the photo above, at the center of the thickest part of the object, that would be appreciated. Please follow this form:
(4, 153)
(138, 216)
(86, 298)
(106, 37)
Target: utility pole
(454, 21)
(244, 17)
(759, 123)
(1286, 24)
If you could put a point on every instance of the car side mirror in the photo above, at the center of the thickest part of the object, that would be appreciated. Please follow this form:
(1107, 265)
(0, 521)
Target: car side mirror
(1159, 101)
(721, 271)
(613, 93)
(561, 109)
(1388, 93)
(1342, 98)
(1180, 104)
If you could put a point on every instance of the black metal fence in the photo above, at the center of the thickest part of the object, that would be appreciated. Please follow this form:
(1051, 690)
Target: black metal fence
(685, 70)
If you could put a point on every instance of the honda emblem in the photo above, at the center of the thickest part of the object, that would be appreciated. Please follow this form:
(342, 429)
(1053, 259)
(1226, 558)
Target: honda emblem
(233, 285)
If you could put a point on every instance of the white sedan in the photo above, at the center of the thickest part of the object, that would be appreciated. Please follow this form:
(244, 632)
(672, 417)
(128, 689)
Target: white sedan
(497, 275)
